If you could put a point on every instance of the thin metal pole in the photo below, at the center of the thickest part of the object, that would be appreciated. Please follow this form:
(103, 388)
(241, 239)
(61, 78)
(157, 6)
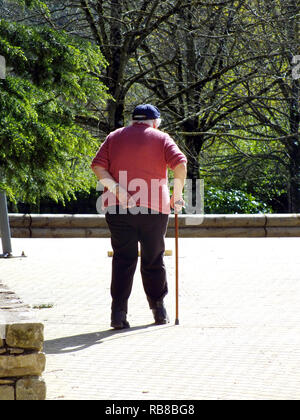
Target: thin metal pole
(4, 226)
(176, 270)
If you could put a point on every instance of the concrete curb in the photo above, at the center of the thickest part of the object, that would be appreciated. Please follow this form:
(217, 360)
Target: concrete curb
(191, 226)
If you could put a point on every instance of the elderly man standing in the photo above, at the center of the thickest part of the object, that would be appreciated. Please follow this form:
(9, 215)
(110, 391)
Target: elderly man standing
(132, 164)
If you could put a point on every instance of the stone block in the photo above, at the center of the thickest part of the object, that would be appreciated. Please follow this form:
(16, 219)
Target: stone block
(2, 328)
(7, 393)
(25, 335)
(31, 389)
(7, 382)
(22, 365)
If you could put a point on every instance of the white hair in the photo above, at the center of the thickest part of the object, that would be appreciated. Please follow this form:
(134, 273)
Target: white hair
(148, 122)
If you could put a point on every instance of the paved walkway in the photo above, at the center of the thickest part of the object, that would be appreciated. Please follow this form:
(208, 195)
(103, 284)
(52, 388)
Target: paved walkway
(239, 332)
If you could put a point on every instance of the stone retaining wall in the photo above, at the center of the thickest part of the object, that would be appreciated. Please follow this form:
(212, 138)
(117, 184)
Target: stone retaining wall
(94, 226)
(22, 361)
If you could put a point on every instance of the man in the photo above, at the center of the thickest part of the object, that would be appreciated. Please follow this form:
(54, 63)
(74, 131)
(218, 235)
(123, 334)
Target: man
(132, 165)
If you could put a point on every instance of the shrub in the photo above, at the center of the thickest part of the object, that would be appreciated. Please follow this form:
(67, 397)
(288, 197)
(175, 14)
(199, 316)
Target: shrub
(218, 201)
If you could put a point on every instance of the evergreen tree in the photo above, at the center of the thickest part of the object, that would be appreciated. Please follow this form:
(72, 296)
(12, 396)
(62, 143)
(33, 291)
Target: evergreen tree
(52, 82)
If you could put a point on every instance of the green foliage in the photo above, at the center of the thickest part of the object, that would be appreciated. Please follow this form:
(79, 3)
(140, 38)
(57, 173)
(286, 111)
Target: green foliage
(219, 72)
(51, 81)
(226, 202)
(33, 3)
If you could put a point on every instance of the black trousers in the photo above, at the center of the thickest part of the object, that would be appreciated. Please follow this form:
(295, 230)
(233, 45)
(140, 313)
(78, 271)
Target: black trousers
(127, 230)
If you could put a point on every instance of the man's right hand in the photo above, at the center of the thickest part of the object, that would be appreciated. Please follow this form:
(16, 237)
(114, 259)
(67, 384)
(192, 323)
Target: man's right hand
(177, 203)
(125, 199)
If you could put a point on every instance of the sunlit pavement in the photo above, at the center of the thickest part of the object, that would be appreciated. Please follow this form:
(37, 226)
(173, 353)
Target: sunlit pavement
(239, 313)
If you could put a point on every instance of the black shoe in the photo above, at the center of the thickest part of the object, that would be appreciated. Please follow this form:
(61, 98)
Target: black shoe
(118, 320)
(160, 314)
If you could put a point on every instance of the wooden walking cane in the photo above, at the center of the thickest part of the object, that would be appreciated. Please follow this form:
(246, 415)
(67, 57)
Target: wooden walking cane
(176, 269)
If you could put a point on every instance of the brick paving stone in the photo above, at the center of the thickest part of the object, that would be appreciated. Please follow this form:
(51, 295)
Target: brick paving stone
(239, 332)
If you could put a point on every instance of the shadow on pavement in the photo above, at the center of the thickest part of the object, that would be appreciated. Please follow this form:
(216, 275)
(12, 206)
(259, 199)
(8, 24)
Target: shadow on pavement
(82, 341)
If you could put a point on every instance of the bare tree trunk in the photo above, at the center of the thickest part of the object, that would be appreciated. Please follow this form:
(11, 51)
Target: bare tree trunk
(294, 111)
(115, 71)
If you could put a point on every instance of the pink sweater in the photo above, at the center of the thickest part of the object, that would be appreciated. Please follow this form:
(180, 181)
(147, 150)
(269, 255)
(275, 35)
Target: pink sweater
(138, 157)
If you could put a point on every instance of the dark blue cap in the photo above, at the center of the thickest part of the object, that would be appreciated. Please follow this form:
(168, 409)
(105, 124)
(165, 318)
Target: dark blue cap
(145, 112)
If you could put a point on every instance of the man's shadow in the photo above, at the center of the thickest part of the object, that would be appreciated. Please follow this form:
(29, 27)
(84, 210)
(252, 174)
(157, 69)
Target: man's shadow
(82, 341)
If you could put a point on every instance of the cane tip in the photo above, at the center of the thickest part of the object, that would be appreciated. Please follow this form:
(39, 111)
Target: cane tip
(176, 321)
